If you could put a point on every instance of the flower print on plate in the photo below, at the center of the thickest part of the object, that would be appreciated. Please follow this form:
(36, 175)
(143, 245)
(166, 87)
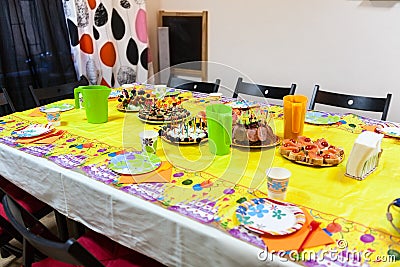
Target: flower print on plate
(33, 130)
(390, 131)
(62, 106)
(321, 118)
(114, 93)
(134, 163)
(266, 216)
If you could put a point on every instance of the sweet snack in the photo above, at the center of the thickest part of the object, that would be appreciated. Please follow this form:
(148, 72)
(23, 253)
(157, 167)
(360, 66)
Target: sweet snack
(190, 132)
(167, 109)
(318, 152)
(133, 100)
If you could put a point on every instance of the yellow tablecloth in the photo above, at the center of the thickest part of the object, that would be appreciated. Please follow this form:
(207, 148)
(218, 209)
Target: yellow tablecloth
(326, 189)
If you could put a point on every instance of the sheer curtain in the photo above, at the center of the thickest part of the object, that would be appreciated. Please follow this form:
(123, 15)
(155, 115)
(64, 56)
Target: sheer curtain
(34, 48)
(109, 40)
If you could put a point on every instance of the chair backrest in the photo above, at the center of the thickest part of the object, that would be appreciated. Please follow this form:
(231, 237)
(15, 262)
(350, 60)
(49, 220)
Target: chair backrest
(35, 234)
(203, 87)
(6, 100)
(57, 92)
(374, 104)
(274, 92)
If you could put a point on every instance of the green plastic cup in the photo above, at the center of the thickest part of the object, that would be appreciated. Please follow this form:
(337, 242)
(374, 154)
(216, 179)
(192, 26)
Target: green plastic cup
(219, 125)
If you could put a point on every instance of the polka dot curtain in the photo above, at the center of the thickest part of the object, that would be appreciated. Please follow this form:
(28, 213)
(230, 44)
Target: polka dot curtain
(109, 40)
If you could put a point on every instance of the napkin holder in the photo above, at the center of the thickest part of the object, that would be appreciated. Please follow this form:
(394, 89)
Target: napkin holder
(364, 156)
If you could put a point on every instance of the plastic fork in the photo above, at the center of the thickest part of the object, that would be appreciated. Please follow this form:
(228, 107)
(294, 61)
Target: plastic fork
(313, 226)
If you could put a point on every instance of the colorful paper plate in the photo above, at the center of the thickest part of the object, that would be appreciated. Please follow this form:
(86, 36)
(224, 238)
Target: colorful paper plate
(61, 106)
(134, 163)
(267, 216)
(172, 92)
(242, 104)
(390, 131)
(114, 93)
(33, 131)
(133, 109)
(321, 118)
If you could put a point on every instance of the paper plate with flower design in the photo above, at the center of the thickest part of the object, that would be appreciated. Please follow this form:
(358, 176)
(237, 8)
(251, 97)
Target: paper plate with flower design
(321, 118)
(390, 131)
(33, 130)
(267, 216)
(136, 162)
(62, 106)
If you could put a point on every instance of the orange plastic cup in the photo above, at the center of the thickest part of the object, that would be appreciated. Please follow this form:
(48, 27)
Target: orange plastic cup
(294, 113)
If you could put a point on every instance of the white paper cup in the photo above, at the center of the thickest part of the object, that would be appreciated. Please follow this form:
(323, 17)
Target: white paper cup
(53, 116)
(278, 181)
(148, 139)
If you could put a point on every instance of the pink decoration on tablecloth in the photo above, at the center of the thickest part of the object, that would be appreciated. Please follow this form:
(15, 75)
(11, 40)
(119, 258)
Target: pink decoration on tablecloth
(141, 26)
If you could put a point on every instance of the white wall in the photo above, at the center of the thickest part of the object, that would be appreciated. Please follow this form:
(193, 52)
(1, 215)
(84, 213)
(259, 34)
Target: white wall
(343, 45)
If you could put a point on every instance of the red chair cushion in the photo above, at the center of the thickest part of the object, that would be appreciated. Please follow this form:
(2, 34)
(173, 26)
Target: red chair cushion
(29, 202)
(110, 253)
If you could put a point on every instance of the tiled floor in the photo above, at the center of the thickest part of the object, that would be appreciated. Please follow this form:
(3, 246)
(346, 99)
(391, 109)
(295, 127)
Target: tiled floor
(11, 261)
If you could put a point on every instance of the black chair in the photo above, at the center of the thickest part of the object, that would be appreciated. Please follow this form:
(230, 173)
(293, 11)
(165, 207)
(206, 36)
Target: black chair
(33, 205)
(202, 87)
(5, 101)
(77, 252)
(267, 91)
(57, 92)
(365, 103)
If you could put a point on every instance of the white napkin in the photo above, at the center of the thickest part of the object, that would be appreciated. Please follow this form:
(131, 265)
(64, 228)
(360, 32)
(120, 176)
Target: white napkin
(364, 156)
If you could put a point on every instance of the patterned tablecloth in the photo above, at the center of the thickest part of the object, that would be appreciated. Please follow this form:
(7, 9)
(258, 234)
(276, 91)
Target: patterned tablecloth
(209, 189)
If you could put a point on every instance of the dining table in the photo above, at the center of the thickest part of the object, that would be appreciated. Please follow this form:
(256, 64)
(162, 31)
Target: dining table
(190, 212)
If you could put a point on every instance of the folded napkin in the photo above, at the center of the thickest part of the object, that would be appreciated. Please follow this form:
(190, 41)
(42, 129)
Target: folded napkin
(43, 139)
(364, 156)
(293, 241)
(161, 175)
(36, 113)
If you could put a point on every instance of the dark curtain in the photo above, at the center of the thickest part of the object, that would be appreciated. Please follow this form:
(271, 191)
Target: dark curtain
(34, 48)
